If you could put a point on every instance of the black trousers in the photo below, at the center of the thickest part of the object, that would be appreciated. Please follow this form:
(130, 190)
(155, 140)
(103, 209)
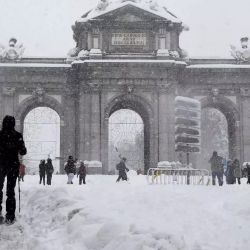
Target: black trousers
(122, 175)
(42, 179)
(219, 176)
(49, 177)
(12, 175)
(82, 179)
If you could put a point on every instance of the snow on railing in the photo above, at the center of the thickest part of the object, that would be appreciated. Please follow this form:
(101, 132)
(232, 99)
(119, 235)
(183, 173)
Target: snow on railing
(178, 176)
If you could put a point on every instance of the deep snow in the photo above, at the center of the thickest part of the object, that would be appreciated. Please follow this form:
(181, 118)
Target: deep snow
(128, 216)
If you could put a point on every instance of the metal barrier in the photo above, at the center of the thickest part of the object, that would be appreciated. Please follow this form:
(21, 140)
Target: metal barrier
(178, 176)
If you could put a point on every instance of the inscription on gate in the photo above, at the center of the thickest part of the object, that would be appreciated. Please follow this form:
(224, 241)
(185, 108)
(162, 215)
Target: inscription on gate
(138, 39)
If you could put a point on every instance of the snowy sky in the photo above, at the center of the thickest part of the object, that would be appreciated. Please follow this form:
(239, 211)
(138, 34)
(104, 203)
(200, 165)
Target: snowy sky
(44, 27)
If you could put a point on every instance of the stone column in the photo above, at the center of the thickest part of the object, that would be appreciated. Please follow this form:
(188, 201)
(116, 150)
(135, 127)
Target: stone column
(244, 126)
(84, 125)
(166, 125)
(69, 124)
(95, 153)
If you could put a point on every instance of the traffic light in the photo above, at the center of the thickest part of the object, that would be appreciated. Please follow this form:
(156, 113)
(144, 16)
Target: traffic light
(187, 124)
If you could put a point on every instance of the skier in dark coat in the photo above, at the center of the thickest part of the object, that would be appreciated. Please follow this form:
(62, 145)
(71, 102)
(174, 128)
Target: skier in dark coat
(42, 172)
(121, 167)
(11, 144)
(70, 169)
(216, 162)
(248, 173)
(82, 173)
(49, 170)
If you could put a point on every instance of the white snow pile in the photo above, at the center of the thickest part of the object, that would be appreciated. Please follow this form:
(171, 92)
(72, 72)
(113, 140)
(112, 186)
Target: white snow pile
(128, 216)
(105, 6)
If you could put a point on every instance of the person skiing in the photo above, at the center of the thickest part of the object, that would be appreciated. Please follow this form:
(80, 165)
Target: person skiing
(11, 144)
(70, 169)
(237, 170)
(21, 171)
(216, 162)
(82, 173)
(248, 173)
(121, 167)
(49, 169)
(42, 172)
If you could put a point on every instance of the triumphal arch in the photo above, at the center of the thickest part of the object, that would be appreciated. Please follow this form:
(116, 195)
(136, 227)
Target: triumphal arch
(127, 55)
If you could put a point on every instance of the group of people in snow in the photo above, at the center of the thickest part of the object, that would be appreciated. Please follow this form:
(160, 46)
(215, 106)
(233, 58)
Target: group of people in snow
(46, 169)
(232, 170)
(73, 167)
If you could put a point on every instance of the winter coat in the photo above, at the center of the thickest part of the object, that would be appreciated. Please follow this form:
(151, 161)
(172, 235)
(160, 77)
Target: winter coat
(248, 170)
(11, 144)
(216, 164)
(49, 167)
(121, 167)
(70, 167)
(82, 170)
(22, 170)
(42, 168)
(230, 178)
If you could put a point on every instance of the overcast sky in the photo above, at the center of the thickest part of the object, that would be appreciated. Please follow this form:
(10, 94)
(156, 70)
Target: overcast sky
(44, 26)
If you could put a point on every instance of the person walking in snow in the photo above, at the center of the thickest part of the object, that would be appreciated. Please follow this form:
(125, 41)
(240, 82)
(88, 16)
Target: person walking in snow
(121, 167)
(49, 169)
(11, 144)
(42, 172)
(81, 172)
(70, 169)
(216, 162)
(237, 170)
(21, 171)
(230, 179)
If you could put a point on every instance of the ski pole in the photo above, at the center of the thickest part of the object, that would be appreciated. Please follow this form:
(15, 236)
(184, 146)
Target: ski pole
(19, 194)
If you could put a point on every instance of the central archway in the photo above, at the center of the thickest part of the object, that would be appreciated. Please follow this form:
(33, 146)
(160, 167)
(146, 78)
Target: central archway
(126, 138)
(141, 107)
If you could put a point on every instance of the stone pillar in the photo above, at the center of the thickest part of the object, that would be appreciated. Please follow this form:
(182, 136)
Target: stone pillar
(84, 125)
(244, 126)
(69, 124)
(95, 153)
(166, 126)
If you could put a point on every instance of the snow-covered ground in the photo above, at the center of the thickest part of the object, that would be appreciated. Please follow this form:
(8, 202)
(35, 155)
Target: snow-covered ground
(128, 216)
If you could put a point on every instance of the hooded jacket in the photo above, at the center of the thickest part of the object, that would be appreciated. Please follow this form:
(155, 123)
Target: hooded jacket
(11, 143)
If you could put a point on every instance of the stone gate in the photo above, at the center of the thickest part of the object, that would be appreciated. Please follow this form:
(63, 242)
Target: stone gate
(126, 56)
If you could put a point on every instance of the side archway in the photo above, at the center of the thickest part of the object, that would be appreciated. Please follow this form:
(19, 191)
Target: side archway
(232, 115)
(32, 103)
(141, 107)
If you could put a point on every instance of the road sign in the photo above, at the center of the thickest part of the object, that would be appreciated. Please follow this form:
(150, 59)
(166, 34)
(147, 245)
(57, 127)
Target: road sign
(187, 124)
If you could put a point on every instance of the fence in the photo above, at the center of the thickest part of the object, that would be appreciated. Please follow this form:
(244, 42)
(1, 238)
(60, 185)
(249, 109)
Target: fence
(178, 176)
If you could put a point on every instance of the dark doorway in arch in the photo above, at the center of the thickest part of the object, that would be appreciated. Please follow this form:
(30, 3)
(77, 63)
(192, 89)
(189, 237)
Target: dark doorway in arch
(136, 106)
(126, 138)
(214, 136)
(41, 131)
